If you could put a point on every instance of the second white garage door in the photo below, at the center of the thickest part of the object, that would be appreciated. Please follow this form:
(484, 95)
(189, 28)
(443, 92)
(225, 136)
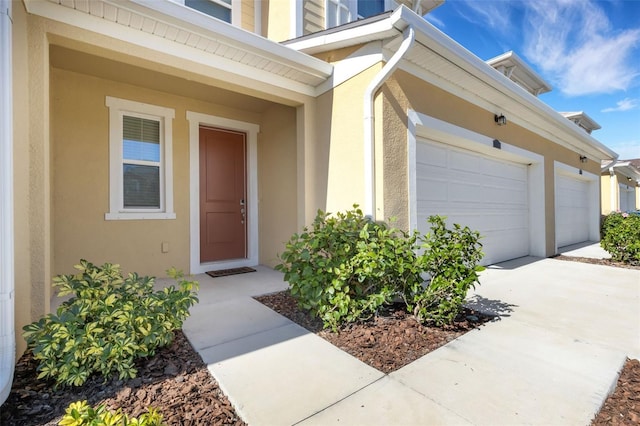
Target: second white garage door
(627, 198)
(487, 194)
(572, 210)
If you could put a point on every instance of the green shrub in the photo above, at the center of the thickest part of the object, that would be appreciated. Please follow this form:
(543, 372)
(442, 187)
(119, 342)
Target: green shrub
(450, 258)
(82, 414)
(108, 323)
(621, 237)
(346, 267)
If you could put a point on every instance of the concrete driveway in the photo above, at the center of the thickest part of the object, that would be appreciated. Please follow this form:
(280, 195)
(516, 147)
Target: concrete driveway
(563, 334)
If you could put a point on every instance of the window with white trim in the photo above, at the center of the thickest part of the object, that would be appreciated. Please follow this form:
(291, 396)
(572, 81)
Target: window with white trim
(140, 160)
(220, 9)
(340, 12)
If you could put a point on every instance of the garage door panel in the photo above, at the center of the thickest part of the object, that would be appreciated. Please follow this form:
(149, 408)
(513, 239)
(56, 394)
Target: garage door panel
(486, 194)
(462, 162)
(572, 210)
(431, 155)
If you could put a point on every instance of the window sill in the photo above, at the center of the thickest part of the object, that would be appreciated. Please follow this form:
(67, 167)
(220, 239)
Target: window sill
(138, 216)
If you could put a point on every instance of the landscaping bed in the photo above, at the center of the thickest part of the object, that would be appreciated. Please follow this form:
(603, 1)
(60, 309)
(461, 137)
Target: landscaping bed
(177, 382)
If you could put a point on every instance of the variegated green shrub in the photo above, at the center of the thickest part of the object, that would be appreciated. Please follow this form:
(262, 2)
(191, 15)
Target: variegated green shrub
(80, 413)
(108, 323)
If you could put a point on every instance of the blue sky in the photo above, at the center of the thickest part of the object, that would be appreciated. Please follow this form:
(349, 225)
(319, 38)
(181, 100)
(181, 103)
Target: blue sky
(587, 50)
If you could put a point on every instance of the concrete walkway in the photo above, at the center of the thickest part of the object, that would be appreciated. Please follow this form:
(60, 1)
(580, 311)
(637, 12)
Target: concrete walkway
(564, 332)
(589, 249)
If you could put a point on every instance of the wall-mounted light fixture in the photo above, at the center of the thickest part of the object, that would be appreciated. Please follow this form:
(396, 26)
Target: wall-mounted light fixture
(500, 120)
(629, 179)
(583, 158)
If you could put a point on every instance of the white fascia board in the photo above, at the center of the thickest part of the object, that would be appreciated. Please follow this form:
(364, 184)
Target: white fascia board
(431, 37)
(201, 23)
(236, 73)
(349, 37)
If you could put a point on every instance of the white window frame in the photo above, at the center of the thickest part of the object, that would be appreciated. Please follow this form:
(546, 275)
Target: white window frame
(117, 109)
(350, 5)
(235, 8)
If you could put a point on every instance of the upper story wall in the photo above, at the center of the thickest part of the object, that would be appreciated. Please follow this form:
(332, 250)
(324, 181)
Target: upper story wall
(281, 20)
(288, 19)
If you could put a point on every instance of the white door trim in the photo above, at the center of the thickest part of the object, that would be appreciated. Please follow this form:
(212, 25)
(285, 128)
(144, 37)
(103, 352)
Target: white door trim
(421, 125)
(195, 121)
(594, 197)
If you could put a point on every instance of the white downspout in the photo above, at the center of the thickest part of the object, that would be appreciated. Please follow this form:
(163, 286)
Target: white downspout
(7, 333)
(369, 121)
(613, 182)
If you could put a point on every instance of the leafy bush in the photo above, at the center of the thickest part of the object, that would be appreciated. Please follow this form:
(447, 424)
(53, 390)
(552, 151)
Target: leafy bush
(621, 237)
(346, 267)
(82, 414)
(451, 258)
(108, 323)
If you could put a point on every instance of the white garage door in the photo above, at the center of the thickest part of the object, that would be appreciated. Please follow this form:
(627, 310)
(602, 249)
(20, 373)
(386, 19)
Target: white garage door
(487, 194)
(627, 198)
(572, 210)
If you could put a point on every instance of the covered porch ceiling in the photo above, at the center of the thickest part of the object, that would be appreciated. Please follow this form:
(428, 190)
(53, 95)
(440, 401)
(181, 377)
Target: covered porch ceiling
(174, 39)
(149, 77)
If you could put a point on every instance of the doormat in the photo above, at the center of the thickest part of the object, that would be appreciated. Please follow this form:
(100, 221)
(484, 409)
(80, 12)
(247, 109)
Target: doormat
(227, 272)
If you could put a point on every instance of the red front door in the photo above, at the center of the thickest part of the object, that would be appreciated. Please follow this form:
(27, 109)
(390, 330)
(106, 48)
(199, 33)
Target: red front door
(223, 195)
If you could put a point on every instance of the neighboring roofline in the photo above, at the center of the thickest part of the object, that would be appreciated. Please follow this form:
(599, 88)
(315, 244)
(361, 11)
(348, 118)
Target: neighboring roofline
(521, 69)
(193, 25)
(438, 42)
(624, 167)
(582, 116)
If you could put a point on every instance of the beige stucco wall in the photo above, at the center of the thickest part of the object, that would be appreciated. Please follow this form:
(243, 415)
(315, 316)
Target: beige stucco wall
(605, 193)
(276, 21)
(277, 181)
(341, 133)
(606, 183)
(21, 178)
(404, 91)
(81, 178)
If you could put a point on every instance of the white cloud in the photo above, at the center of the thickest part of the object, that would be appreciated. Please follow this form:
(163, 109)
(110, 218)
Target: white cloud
(624, 105)
(573, 43)
(626, 150)
(494, 14)
(435, 21)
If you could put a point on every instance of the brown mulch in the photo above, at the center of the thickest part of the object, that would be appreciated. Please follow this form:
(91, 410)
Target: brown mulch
(623, 406)
(605, 262)
(386, 342)
(175, 381)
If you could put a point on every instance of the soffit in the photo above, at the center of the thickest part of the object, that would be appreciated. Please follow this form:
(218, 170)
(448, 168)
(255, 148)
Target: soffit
(86, 63)
(215, 40)
(440, 60)
(431, 66)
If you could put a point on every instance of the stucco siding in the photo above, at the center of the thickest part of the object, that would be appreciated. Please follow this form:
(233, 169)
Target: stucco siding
(80, 162)
(277, 20)
(277, 181)
(345, 133)
(404, 91)
(22, 199)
